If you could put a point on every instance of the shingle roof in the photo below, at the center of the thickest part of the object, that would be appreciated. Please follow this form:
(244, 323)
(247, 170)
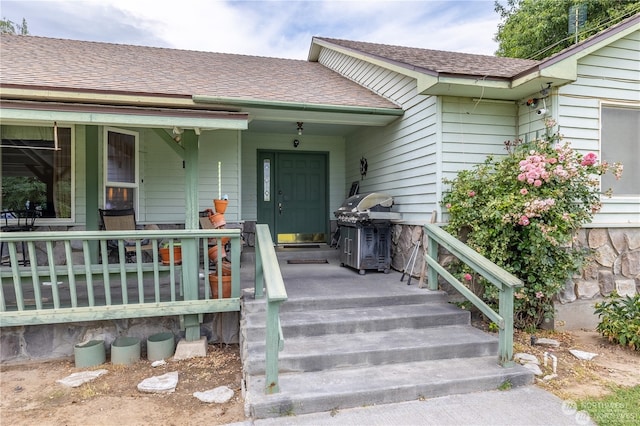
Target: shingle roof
(103, 67)
(439, 61)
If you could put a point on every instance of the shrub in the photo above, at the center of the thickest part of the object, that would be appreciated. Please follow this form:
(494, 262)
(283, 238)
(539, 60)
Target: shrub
(522, 211)
(620, 320)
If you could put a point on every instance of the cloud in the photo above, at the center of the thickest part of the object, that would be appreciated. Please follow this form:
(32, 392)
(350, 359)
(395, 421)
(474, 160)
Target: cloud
(267, 28)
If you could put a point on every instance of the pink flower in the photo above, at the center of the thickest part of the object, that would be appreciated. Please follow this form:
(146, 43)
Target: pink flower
(524, 191)
(524, 220)
(539, 295)
(467, 277)
(522, 177)
(448, 205)
(589, 160)
(537, 182)
(472, 193)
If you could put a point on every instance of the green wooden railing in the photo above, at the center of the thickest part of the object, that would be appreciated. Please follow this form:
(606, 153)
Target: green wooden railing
(68, 278)
(502, 279)
(269, 279)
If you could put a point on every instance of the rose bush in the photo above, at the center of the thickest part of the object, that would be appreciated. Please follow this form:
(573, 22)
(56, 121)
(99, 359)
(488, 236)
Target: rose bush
(522, 212)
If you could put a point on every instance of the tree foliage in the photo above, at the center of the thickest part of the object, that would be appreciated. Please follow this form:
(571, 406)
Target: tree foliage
(536, 29)
(9, 27)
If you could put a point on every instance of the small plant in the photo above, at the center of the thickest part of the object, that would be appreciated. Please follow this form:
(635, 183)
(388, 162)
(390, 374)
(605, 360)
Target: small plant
(620, 320)
(506, 385)
(493, 327)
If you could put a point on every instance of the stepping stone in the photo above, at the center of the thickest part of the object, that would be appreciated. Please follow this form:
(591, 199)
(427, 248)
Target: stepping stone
(219, 395)
(160, 384)
(77, 379)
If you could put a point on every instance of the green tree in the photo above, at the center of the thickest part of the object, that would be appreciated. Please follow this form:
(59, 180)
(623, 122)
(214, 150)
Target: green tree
(536, 29)
(9, 27)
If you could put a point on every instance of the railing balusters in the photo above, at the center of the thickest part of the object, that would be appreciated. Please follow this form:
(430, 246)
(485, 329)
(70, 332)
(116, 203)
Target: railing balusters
(53, 276)
(87, 271)
(72, 278)
(140, 276)
(156, 272)
(122, 259)
(104, 255)
(17, 283)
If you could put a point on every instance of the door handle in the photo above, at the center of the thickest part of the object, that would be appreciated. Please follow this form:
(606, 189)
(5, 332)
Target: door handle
(280, 208)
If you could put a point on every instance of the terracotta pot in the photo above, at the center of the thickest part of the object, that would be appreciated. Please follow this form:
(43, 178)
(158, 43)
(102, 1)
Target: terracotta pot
(217, 220)
(226, 285)
(220, 205)
(177, 255)
(213, 253)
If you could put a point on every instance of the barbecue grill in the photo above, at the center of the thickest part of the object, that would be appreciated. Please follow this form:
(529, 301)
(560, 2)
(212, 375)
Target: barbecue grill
(364, 222)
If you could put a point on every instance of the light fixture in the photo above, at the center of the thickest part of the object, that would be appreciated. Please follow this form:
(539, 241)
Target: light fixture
(296, 143)
(177, 132)
(300, 128)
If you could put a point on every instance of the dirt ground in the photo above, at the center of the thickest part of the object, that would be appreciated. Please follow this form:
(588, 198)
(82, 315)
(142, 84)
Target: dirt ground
(30, 395)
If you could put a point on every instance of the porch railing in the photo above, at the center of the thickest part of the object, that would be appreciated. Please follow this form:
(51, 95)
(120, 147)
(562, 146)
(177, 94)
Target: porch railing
(68, 276)
(502, 279)
(269, 279)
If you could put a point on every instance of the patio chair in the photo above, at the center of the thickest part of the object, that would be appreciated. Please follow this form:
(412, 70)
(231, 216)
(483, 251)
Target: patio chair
(122, 220)
(18, 221)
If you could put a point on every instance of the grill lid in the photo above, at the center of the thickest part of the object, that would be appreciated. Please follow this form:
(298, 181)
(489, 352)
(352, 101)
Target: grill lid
(375, 201)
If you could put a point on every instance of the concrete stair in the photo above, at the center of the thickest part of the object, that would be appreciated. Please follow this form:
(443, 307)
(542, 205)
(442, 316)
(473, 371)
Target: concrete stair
(351, 350)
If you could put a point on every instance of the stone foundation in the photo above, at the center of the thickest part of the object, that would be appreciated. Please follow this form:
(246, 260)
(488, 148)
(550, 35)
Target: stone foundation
(55, 341)
(614, 266)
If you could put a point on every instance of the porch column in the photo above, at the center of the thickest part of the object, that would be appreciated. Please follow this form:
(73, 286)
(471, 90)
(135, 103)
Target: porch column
(91, 186)
(190, 259)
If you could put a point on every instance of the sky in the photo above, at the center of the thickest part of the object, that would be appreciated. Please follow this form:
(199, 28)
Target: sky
(263, 28)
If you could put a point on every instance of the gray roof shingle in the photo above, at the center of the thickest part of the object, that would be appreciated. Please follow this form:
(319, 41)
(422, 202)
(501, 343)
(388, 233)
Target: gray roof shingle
(439, 61)
(40, 62)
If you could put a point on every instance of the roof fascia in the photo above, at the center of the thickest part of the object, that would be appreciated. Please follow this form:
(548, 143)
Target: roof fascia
(122, 116)
(296, 106)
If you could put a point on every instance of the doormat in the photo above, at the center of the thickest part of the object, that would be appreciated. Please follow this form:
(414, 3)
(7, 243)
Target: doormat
(300, 246)
(306, 261)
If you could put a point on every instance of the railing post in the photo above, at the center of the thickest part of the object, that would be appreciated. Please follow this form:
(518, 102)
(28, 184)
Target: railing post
(259, 276)
(432, 252)
(505, 335)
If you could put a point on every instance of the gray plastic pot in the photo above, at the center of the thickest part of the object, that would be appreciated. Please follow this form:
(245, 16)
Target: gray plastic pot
(125, 350)
(89, 354)
(160, 346)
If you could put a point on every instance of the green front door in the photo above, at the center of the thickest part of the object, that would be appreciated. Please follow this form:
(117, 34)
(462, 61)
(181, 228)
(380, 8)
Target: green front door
(292, 195)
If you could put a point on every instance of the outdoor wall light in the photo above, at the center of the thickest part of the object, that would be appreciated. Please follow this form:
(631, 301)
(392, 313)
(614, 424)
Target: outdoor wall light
(300, 128)
(177, 132)
(296, 143)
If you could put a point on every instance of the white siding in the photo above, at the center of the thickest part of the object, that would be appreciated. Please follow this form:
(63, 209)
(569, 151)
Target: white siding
(434, 139)
(252, 142)
(611, 74)
(162, 190)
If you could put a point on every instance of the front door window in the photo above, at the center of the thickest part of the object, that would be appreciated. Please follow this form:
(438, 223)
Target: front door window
(121, 169)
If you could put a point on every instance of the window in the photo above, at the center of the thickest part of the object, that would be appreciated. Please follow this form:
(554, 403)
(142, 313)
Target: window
(121, 169)
(620, 141)
(35, 173)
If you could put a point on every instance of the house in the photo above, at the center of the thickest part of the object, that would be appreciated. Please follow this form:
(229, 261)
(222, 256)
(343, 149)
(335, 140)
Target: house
(166, 131)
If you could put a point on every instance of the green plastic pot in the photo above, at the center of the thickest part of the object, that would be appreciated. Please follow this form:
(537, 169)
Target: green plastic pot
(89, 354)
(160, 346)
(125, 350)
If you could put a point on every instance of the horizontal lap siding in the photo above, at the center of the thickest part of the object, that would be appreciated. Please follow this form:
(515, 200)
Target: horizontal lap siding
(162, 198)
(611, 74)
(402, 156)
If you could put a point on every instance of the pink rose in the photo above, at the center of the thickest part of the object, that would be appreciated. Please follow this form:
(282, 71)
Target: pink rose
(448, 205)
(524, 191)
(524, 220)
(472, 193)
(539, 295)
(467, 277)
(589, 160)
(537, 182)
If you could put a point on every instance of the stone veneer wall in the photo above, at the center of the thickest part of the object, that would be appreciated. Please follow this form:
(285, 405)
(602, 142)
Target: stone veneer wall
(614, 266)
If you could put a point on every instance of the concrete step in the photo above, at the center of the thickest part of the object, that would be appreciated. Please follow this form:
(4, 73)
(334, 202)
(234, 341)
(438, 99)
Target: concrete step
(374, 348)
(251, 305)
(362, 319)
(336, 389)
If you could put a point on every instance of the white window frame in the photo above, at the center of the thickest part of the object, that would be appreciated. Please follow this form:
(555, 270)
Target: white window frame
(624, 161)
(106, 183)
(51, 220)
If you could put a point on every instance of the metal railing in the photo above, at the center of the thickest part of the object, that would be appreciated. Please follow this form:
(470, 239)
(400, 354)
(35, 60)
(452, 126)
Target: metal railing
(68, 277)
(268, 278)
(503, 280)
